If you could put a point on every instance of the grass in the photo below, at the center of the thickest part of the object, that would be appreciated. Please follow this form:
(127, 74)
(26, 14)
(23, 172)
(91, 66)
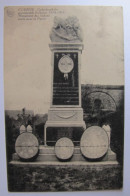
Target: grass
(61, 178)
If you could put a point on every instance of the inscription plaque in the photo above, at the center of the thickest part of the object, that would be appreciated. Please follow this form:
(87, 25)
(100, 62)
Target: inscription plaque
(65, 80)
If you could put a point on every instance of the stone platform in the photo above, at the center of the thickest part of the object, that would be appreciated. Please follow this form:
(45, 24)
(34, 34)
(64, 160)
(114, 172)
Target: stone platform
(47, 173)
(46, 154)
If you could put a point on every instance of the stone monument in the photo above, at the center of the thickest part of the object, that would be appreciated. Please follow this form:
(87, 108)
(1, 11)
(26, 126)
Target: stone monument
(65, 116)
(65, 135)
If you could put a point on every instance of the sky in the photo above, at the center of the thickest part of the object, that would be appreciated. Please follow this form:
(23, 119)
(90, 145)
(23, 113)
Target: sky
(27, 56)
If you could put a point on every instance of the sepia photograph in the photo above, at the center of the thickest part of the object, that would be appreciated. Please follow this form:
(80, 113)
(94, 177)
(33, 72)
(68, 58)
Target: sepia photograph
(64, 98)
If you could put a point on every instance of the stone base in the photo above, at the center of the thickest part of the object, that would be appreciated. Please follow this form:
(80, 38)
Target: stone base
(47, 154)
(111, 156)
(65, 117)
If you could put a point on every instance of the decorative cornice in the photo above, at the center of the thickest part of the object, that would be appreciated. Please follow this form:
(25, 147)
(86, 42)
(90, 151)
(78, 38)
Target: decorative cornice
(66, 46)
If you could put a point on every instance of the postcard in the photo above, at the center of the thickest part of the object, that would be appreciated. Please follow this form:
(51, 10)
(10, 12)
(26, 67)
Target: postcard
(64, 98)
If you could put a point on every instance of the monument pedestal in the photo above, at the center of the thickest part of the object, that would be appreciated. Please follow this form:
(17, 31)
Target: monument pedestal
(64, 118)
(65, 113)
(47, 154)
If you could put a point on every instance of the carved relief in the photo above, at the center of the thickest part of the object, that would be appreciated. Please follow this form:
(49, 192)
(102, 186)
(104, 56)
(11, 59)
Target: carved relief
(66, 30)
(65, 115)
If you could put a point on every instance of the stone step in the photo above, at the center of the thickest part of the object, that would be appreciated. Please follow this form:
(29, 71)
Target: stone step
(52, 157)
(46, 157)
(48, 154)
(50, 150)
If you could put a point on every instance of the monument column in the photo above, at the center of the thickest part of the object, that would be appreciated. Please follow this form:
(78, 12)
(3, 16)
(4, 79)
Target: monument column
(65, 115)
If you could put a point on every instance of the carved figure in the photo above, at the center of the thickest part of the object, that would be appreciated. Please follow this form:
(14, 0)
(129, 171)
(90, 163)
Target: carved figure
(66, 30)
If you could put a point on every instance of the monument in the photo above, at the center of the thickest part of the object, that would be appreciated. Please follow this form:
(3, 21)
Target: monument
(65, 116)
(65, 135)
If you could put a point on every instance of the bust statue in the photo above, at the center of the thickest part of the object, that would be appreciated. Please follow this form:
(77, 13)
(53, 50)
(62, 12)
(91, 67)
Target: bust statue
(66, 30)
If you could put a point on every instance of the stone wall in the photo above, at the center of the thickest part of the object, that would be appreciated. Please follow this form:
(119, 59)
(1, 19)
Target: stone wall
(105, 104)
(112, 97)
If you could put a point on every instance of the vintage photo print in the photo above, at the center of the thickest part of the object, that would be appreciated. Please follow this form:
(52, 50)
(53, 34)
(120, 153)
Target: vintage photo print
(64, 98)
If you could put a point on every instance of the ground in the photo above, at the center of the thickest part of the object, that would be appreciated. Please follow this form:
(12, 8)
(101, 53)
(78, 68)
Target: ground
(37, 178)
